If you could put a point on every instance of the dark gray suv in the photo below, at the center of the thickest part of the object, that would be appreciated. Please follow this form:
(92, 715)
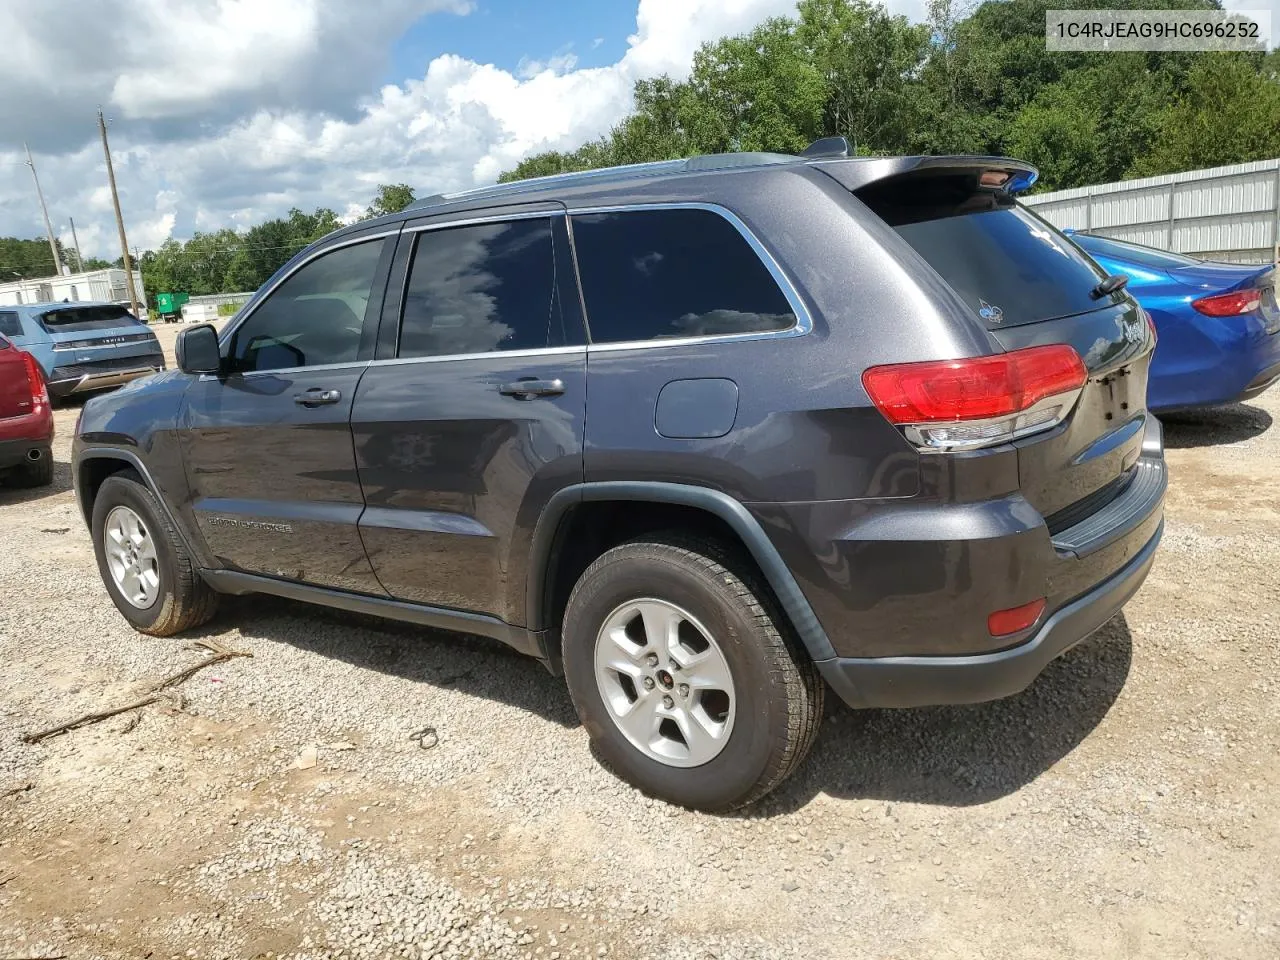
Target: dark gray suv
(708, 436)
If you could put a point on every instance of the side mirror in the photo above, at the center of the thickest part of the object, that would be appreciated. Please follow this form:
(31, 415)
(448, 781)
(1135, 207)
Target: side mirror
(197, 350)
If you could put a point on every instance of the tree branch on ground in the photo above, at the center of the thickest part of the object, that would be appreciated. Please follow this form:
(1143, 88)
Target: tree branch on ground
(158, 691)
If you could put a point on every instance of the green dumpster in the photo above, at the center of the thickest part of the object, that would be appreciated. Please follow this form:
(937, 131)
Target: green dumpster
(169, 305)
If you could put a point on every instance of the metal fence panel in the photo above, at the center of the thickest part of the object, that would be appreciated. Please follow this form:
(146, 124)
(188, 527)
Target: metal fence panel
(1224, 213)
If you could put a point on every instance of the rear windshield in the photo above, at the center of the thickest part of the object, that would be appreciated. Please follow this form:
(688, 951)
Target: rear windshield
(1010, 266)
(10, 326)
(76, 319)
(1134, 252)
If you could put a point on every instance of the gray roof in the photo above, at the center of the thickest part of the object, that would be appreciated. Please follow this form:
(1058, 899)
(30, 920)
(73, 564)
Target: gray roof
(606, 176)
(667, 180)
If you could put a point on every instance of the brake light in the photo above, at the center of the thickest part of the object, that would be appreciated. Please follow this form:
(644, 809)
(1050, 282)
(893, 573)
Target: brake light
(1229, 304)
(976, 402)
(1016, 619)
(35, 381)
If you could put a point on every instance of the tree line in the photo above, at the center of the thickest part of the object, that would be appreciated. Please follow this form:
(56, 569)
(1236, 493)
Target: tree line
(976, 81)
(223, 261)
(28, 259)
(231, 262)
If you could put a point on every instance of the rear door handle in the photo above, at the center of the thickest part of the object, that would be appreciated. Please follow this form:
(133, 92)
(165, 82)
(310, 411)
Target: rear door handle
(317, 396)
(531, 389)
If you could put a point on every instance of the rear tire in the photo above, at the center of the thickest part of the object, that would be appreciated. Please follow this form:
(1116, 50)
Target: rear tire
(38, 474)
(716, 607)
(170, 597)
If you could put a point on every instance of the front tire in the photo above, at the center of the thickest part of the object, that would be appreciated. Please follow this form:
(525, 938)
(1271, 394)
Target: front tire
(143, 562)
(689, 686)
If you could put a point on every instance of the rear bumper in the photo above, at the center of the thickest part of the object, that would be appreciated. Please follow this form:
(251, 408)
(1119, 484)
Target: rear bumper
(904, 589)
(929, 681)
(64, 383)
(1263, 381)
(1212, 361)
(14, 453)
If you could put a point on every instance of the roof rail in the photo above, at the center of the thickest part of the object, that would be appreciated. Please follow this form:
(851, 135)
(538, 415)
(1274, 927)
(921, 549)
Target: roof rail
(541, 183)
(715, 161)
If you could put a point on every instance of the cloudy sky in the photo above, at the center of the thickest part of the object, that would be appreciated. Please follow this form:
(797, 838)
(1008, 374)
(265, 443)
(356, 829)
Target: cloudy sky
(224, 112)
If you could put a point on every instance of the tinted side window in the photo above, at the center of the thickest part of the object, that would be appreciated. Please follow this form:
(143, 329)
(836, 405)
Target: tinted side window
(10, 326)
(480, 289)
(315, 317)
(651, 274)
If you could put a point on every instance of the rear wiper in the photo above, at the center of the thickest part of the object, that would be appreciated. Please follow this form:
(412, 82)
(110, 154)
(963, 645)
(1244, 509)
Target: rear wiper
(1109, 286)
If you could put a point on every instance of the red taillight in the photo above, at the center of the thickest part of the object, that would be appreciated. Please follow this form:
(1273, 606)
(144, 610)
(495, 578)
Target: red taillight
(1229, 304)
(1015, 619)
(35, 380)
(998, 397)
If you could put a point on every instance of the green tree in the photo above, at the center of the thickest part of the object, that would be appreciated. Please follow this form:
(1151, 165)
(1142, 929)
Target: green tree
(869, 62)
(271, 244)
(1093, 125)
(755, 92)
(29, 259)
(1229, 112)
(207, 258)
(391, 198)
(542, 165)
(240, 276)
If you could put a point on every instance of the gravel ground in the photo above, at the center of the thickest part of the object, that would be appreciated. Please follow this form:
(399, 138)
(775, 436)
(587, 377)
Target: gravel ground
(1125, 805)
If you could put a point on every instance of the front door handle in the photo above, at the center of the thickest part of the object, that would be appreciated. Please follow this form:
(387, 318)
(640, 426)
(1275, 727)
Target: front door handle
(317, 396)
(531, 389)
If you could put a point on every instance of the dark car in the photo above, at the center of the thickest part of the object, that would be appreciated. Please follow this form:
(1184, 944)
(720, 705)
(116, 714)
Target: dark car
(26, 422)
(709, 436)
(1219, 323)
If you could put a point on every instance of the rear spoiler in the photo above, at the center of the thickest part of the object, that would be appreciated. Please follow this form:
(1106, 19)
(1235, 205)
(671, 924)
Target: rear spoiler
(854, 173)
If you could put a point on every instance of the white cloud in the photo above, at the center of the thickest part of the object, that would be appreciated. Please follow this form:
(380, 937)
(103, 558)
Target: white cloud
(1249, 6)
(169, 64)
(272, 144)
(527, 69)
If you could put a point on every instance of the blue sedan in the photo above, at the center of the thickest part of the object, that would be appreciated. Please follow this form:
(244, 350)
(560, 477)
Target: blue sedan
(1218, 323)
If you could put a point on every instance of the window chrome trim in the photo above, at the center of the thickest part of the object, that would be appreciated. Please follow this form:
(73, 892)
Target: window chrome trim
(804, 320)
(225, 336)
(496, 218)
(255, 374)
(579, 350)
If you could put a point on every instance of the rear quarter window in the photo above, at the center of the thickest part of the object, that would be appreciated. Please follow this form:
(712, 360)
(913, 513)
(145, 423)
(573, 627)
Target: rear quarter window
(665, 274)
(10, 325)
(1009, 265)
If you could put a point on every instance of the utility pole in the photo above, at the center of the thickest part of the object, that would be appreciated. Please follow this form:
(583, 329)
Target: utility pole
(48, 227)
(76, 242)
(115, 200)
